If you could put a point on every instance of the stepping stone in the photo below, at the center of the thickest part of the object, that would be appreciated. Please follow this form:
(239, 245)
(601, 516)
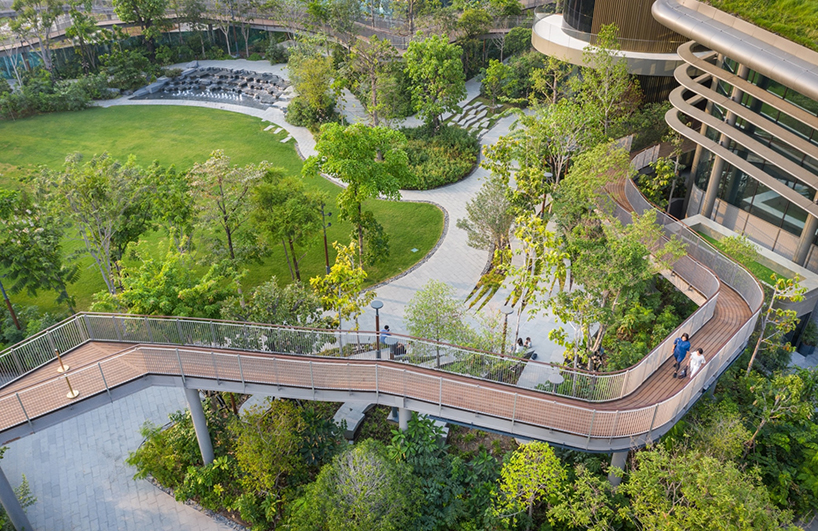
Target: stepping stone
(286, 139)
(482, 132)
(269, 127)
(481, 113)
(478, 106)
(277, 130)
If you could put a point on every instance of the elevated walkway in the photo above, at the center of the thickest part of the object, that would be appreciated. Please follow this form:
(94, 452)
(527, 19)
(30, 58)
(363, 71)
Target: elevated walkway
(112, 355)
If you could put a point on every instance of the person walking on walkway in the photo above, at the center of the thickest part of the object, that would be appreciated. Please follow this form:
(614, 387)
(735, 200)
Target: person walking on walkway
(696, 362)
(680, 348)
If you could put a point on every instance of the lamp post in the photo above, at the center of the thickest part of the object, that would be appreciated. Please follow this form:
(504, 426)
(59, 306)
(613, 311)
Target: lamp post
(325, 225)
(377, 305)
(507, 310)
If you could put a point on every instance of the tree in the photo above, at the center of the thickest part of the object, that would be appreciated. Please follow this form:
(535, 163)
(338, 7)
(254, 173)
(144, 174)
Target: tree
(169, 287)
(372, 62)
(434, 313)
(173, 204)
(497, 80)
(438, 81)
(589, 503)
(31, 239)
(148, 14)
(419, 447)
(775, 323)
(94, 198)
(532, 474)
(225, 11)
(361, 490)
(224, 192)
(311, 73)
(291, 305)
(372, 162)
(340, 290)
(690, 491)
(779, 398)
(605, 80)
(542, 260)
(267, 450)
(548, 81)
(84, 29)
(34, 21)
(23, 494)
(740, 249)
(490, 218)
(285, 211)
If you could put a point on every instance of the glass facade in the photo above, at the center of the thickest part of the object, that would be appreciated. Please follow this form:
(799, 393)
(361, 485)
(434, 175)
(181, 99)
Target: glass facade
(744, 192)
(579, 14)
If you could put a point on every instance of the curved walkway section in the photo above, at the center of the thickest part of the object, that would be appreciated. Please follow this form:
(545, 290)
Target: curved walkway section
(115, 355)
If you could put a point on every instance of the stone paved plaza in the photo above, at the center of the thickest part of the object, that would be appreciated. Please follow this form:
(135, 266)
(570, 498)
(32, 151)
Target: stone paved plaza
(77, 471)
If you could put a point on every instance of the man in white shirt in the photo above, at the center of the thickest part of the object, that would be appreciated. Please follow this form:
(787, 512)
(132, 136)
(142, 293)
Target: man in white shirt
(696, 362)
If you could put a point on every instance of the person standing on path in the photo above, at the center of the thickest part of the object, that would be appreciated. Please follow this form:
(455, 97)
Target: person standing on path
(680, 347)
(696, 361)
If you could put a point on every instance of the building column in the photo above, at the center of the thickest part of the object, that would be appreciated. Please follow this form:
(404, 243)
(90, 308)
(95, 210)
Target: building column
(718, 163)
(714, 81)
(805, 242)
(403, 418)
(11, 504)
(618, 460)
(199, 424)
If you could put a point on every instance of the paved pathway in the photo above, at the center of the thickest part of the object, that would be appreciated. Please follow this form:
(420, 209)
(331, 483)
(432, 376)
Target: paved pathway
(77, 471)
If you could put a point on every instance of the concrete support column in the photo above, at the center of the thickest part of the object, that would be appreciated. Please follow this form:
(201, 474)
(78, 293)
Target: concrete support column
(403, 418)
(12, 505)
(714, 81)
(718, 162)
(618, 460)
(712, 186)
(807, 235)
(200, 424)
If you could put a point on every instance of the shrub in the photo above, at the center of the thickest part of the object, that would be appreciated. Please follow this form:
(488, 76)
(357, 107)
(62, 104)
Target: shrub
(172, 73)
(127, 69)
(167, 454)
(254, 57)
(276, 53)
(439, 159)
(300, 113)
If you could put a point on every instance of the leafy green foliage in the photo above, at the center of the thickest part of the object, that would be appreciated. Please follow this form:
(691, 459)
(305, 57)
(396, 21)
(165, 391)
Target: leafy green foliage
(128, 69)
(293, 305)
(167, 454)
(311, 75)
(32, 257)
(372, 162)
(775, 323)
(530, 476)
(361, 490)
(437, 159)
(340, 290)
(796, 20)
(438, 81)
(169, 287)
(692, 491)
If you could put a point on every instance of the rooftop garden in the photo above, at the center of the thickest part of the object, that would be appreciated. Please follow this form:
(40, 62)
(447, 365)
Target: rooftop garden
(796, 20)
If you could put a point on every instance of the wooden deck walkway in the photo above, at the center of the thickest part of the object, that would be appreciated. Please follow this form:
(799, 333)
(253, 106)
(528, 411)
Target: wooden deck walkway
(97, 367)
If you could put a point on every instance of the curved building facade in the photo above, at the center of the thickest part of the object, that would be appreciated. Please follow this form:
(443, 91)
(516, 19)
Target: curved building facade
(648, 47)
(749, 100)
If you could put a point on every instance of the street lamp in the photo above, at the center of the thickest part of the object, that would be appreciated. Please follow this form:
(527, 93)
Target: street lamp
(325, 225)
(377, 305)
(507, 310)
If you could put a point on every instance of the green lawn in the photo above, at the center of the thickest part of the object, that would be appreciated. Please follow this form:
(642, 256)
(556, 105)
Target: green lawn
(761, 272)
(796, 20)
(183, 136)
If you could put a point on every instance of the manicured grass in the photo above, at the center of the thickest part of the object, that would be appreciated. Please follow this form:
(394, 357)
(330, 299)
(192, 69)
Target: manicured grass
(183, 136)
(796, 20)
(761, 272)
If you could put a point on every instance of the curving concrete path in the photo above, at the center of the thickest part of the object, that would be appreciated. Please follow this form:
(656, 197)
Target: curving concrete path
(453, 262)
(77, 469)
